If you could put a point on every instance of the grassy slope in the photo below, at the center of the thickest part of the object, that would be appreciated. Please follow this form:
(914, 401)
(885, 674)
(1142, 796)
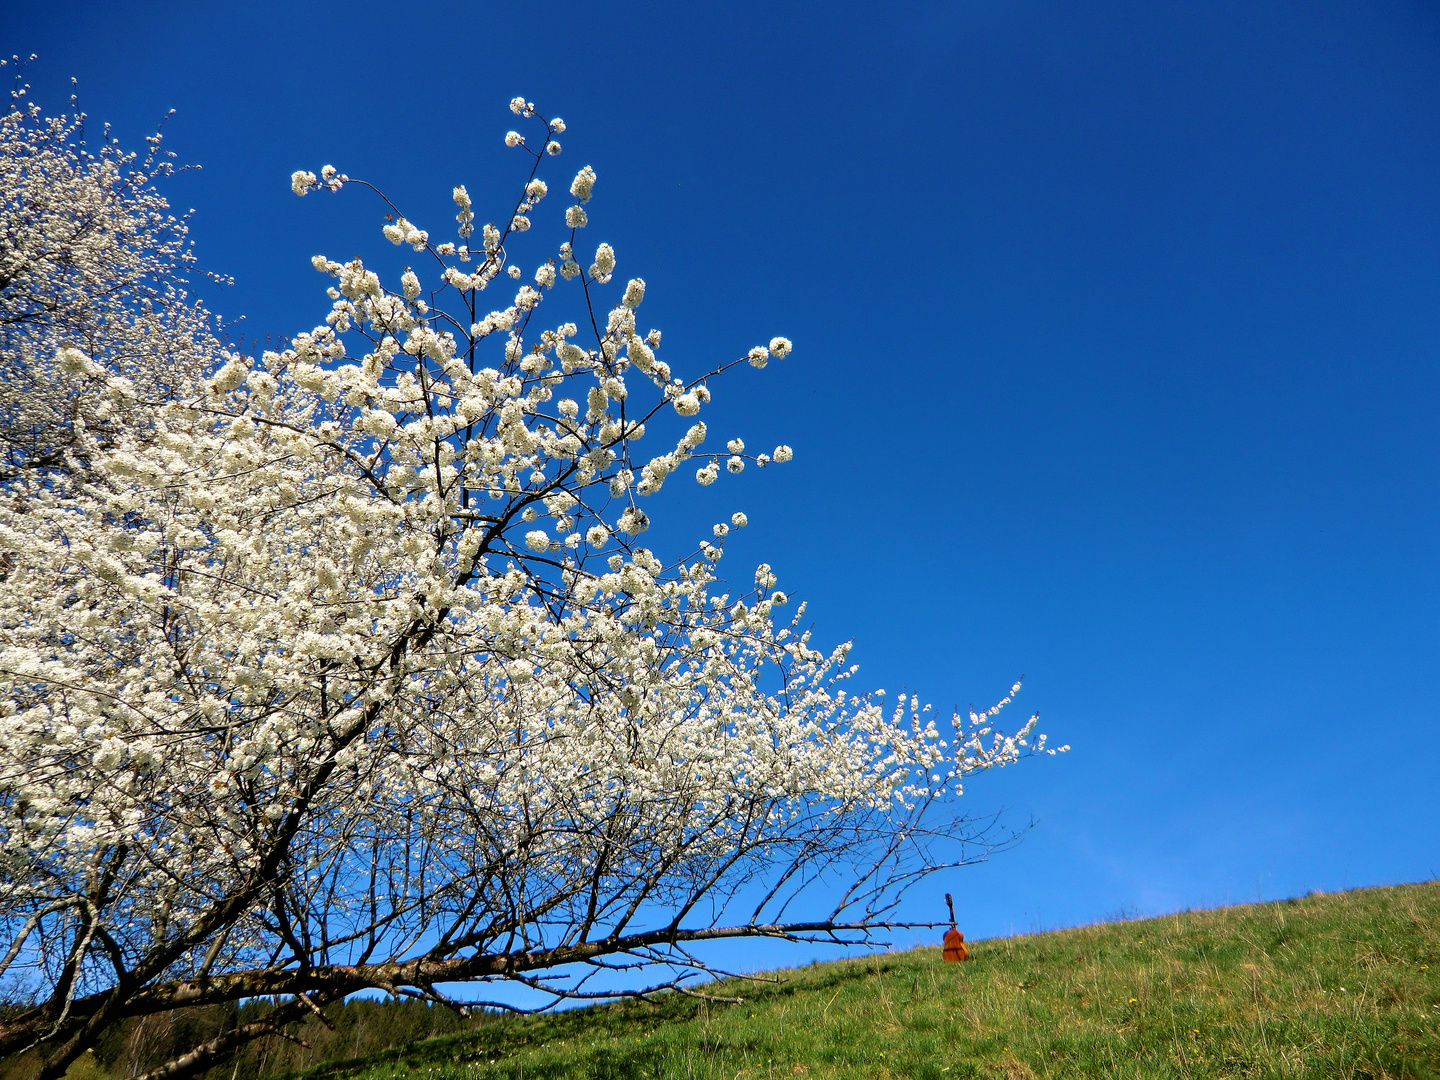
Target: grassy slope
(1346, 985)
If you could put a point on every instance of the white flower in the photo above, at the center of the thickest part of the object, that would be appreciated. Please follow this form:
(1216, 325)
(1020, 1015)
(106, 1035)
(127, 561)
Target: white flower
(380, 424)
(513, 138)
(545, 275)
(572, 355)
(687, 404)
(520, 107)
(604, 264)
(584, 184)
(779, 599)
(736, 446)
(325, 575)
(227, 378)
(411, 284)
(759, 356)
(634, 292)
(633, 521)
(641, 356)
(764, 576)
(301, 182)
(575, 217)
(596, 535)
(783, 454)
(520, 223)
(706, 476)
(780, 347)
(735, 464)
(552, 148)
(536, 190)
(513, 271)
(537, 540)
(557, 125)
(739, 520)
(74, 362)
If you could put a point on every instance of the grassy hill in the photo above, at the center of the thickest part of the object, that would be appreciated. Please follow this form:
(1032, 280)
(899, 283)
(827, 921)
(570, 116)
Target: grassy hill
(1346, 985)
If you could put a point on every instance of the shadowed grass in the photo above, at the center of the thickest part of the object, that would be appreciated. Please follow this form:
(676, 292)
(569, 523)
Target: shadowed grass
(1346, 985)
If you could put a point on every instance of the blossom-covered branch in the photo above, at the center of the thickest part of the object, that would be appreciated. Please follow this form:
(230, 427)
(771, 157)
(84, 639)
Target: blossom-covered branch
(343, 666)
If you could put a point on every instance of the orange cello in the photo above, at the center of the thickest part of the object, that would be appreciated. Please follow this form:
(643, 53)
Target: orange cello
(954, 941)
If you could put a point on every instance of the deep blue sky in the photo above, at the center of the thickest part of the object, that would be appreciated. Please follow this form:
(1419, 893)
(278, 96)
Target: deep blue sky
(1117, 330)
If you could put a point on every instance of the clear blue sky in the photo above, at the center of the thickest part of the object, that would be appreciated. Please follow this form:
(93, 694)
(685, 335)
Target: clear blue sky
(1117, 332)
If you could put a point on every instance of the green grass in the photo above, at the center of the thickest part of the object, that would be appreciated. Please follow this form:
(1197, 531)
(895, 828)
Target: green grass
(1346, 985)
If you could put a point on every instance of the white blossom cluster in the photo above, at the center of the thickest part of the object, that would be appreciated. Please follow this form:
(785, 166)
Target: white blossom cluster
(92, 281)
(360, 632)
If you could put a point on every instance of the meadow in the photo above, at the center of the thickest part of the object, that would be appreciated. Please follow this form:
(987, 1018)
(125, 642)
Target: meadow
(1343, 985)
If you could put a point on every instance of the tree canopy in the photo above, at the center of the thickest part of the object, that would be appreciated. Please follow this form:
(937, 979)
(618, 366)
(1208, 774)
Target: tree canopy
(342, 666)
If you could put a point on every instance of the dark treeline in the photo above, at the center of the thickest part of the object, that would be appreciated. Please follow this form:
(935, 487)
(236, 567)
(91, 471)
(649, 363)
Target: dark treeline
(361, 1027)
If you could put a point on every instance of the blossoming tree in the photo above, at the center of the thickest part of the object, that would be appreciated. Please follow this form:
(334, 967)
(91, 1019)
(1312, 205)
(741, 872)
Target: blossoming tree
(344, 668)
